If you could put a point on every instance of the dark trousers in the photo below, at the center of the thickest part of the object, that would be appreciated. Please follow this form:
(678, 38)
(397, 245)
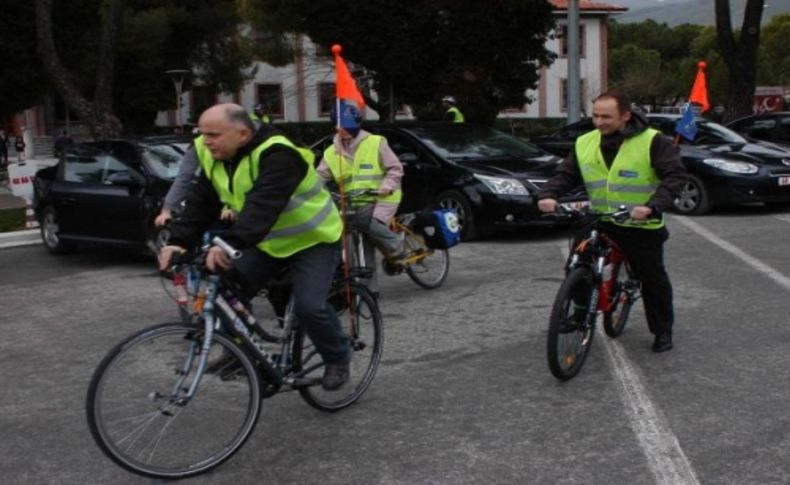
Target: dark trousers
(312, 272)
(645, 251)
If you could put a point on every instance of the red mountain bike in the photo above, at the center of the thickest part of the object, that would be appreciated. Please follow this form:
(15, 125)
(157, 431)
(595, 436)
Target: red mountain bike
(598, 281)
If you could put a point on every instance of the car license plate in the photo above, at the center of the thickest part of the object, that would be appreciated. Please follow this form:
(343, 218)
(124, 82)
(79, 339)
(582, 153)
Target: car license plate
(784, 180)
(576, 205)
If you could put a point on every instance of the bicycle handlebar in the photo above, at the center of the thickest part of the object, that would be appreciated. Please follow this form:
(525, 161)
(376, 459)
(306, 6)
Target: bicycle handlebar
(620, 215)
(232, 252)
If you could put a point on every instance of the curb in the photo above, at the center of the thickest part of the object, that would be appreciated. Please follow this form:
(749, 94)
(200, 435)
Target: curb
(13, 239)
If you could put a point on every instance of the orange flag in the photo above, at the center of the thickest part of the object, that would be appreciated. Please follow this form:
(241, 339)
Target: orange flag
(346, 87)
(699, 92)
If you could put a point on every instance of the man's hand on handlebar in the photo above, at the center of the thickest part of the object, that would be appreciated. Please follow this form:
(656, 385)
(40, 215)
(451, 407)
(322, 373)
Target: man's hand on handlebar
(166, 254)
(217, 259)
(547, 205)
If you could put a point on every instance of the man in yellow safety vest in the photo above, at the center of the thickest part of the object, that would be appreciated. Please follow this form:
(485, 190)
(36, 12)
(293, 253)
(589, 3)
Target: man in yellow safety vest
(285, 217)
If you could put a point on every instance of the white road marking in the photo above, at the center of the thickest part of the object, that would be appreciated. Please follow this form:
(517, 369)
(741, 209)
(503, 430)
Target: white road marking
(755, 263)
(783, 218)
(665, 458)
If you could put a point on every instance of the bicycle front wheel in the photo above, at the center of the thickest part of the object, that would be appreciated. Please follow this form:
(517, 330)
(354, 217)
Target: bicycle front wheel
(616, 317)
(361, 321)
(140, 417)
(430, 266)
(570, 329)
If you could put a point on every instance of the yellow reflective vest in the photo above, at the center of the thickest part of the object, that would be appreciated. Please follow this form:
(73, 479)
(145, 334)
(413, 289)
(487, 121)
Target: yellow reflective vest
(630, 181)
(309, 218)
(364, 172)
(458, 117)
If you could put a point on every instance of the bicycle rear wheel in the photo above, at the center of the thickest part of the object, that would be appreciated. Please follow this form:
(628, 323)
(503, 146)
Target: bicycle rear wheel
(362, 323)
(137, 413)
(615, 319)
(431, 269)
(570, 331)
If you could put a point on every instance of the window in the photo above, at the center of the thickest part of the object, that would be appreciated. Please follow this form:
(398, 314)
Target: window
(564, 95)
(92, 169)
(271, 97)
(326, 98)
(564, 41)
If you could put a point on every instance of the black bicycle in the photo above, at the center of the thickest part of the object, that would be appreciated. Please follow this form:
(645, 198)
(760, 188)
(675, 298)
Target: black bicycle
(177, 399)
(598, 281)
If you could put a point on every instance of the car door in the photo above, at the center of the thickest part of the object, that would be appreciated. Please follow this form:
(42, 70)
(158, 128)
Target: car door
(103, 198)
(421, 172)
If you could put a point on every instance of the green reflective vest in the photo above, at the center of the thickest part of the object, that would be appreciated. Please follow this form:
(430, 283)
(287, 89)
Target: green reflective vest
(458, 117)
(364, 172)
(630, 181)
(309, 218)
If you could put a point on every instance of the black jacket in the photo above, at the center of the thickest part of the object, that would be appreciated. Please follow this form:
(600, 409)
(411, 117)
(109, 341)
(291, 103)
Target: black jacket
(664, 157)
(281, 170)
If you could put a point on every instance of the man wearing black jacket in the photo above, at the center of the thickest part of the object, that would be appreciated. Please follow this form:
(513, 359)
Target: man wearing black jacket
(285, 217)
(624, 160)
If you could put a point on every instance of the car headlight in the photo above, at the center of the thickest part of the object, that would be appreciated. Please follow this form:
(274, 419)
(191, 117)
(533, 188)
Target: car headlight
(503, 186)
(731, 166)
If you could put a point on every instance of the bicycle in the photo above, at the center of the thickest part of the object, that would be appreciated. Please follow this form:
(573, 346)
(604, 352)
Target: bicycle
(177, 399)
(427, 267)
(598, 280)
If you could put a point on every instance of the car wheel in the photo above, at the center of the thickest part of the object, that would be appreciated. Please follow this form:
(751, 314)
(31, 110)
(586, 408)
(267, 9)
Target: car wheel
(693, 198)
(50, 233)
(452, 199)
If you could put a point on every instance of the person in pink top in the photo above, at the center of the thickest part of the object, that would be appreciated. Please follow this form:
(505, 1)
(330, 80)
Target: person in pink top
(366, 160)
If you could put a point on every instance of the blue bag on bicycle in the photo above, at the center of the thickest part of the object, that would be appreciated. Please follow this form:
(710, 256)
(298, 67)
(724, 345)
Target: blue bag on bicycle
(439, 227)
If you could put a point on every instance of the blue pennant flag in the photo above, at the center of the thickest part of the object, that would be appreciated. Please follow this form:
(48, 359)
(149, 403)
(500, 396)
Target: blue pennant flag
(686, 127)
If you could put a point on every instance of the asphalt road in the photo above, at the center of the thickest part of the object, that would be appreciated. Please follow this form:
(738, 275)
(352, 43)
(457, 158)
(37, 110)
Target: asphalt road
(463, 395)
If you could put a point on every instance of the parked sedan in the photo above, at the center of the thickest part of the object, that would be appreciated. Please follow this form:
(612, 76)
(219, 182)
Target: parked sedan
(724, 167)
(104, 193)
(488, 176)
(773, 127)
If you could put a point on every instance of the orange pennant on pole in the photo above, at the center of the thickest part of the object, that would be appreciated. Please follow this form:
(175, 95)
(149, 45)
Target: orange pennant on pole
(346, 87)
(699, 92)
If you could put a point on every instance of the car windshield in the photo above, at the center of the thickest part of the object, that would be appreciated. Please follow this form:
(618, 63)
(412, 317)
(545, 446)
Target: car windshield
(718, 133)
(164, 160)
(476, 143)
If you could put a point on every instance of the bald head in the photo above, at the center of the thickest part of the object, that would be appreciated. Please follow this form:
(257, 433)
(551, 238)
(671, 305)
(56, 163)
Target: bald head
(225, 127)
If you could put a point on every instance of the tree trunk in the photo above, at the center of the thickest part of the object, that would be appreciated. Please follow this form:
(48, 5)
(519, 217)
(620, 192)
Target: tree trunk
(740, 56)
(96, 114)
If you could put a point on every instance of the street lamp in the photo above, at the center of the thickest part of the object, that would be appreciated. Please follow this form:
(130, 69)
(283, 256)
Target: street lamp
(178, 75)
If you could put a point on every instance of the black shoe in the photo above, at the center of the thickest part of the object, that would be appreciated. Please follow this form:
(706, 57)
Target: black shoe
(662, 342)
(335, 375)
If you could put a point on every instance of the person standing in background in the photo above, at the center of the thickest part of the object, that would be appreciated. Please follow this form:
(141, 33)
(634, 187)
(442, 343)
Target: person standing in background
(19, 146)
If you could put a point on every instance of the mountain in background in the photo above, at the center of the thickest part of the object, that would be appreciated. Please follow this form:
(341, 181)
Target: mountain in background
(700, 12)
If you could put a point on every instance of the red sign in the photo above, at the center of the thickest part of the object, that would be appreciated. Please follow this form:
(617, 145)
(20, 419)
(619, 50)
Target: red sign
(768, 98)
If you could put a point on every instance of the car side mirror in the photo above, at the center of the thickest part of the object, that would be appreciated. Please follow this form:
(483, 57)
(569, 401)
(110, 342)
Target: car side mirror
(122, 179)
(407, 158)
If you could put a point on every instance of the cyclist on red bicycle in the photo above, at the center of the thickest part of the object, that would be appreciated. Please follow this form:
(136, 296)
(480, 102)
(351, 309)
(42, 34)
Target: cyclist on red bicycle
(624, 162)
(363, 161)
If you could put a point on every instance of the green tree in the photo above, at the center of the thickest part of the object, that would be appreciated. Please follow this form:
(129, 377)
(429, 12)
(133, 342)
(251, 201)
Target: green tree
(107, 58)
(415, 51)
(774, 52)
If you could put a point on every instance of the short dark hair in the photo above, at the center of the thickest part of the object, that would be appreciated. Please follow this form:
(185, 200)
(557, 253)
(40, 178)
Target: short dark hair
(623, 103)
(236, 114)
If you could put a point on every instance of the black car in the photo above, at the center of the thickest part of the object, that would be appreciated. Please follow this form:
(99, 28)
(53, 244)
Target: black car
(488, 176)
(724, 167)
(773, 127)
(105, 193)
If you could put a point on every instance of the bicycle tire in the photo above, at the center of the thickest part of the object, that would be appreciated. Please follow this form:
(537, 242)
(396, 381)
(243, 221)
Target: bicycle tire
(133, 416)
(569, 339)
(367, 340)
(615, 319)
(430, 271)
